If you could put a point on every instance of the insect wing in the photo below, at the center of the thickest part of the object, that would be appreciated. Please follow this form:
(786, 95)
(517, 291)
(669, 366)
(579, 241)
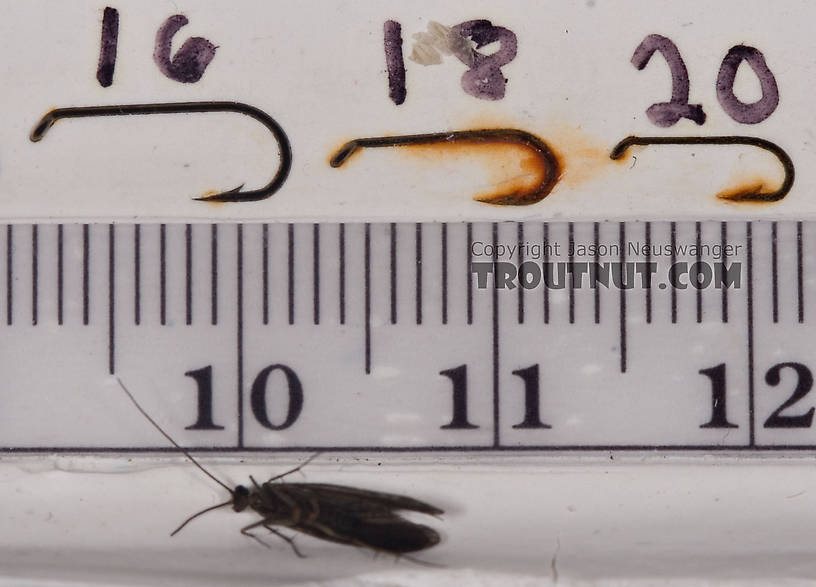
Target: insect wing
(357, 517)
(394, 535)
(351, 495)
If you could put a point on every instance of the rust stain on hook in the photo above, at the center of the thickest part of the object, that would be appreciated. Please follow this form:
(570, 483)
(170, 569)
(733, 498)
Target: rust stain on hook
(752, 192)
(235, 195)
(544, 164)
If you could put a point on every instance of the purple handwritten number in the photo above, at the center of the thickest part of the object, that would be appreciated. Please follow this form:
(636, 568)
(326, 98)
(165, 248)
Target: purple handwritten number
(754, 112)
(189, 62)
(485, 79)
(107, 52)
(669, 113)
(395, 62)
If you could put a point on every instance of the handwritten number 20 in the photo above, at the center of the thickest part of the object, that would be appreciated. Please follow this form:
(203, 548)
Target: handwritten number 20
(669, 113)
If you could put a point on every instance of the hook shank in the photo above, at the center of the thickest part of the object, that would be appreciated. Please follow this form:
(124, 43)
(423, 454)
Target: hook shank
(749, 195)
(235, 195)
(551, 168)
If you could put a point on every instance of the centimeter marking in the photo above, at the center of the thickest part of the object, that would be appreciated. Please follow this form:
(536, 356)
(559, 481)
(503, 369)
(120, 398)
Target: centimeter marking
(397, 237)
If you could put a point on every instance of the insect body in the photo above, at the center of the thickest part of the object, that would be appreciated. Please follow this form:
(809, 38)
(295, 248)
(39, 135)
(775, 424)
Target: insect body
(336, 513)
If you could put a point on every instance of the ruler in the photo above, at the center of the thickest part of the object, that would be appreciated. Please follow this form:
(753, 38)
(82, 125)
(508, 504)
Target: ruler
(409, 337)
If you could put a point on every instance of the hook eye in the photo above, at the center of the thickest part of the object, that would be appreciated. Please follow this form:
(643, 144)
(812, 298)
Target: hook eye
(752, 194)
(548, 167)
(235, 195)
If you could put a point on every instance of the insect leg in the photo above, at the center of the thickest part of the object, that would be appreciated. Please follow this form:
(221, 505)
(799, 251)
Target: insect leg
(290, 540)
(265, 523)
(246, 532)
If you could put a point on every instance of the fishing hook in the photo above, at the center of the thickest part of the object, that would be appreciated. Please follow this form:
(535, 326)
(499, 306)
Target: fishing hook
(753, 194)
(522, 197)
(234, 195)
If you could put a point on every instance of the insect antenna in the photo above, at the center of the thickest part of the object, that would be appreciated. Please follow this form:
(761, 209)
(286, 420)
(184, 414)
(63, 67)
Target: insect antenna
(184, 451)
(201, 513)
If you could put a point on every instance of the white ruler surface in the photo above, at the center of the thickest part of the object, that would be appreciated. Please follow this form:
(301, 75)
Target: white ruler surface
(257, 337)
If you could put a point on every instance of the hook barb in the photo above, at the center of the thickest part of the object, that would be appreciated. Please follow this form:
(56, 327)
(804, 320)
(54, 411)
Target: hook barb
(234, 195)
(752, 194)
(549, 164)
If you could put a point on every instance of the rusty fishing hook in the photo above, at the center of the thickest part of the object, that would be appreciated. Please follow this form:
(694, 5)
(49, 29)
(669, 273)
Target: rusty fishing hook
(234, 195)
(755, 194)
(550, 165)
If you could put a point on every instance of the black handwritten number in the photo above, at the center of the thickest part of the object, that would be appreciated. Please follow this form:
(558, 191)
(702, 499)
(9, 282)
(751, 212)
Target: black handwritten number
(258, 397)
(203, 379)
(395, 62)
(754, 112)
(458, 377)
(107, 50)
(803, 385)
(669, 113)
(718, 410)
(532, 417)
(485, 79)
(190, 61)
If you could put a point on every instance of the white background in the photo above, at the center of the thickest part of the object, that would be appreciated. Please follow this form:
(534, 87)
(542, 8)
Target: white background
(318, 68)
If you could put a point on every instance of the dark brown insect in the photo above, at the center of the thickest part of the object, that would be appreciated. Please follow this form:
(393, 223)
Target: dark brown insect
(336, 513)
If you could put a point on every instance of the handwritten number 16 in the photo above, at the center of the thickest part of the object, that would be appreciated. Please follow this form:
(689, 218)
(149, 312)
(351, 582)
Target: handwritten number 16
(186, 66)
(669, 113)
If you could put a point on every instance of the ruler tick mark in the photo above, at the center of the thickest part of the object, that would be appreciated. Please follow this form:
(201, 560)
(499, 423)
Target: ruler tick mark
(495, 300)
(520, 240)
(111, 299)
(596, 230)
(800, 273)
(545, 227)
(188, 277)
(35, 274)
(418, 266)
(469, 277)
(750, 309)
(342, 276)
(648, 239)
(163, 274)
(673, 290)
(291, 272)
(624, 285)
(367, 295)
(724, 239)
(214, 274)
(393, 276)
(86, 254)
(774, 275)
(698, 230)
(316, 272)
(137, 274)
(570, 269)
(239, 283)
(265, 272)
(444, 229)
(60, 277)
(9, 274)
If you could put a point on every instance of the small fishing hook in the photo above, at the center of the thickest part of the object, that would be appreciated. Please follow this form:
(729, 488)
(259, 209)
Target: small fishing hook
(234, 195)
(754, 194)
(551, 168)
